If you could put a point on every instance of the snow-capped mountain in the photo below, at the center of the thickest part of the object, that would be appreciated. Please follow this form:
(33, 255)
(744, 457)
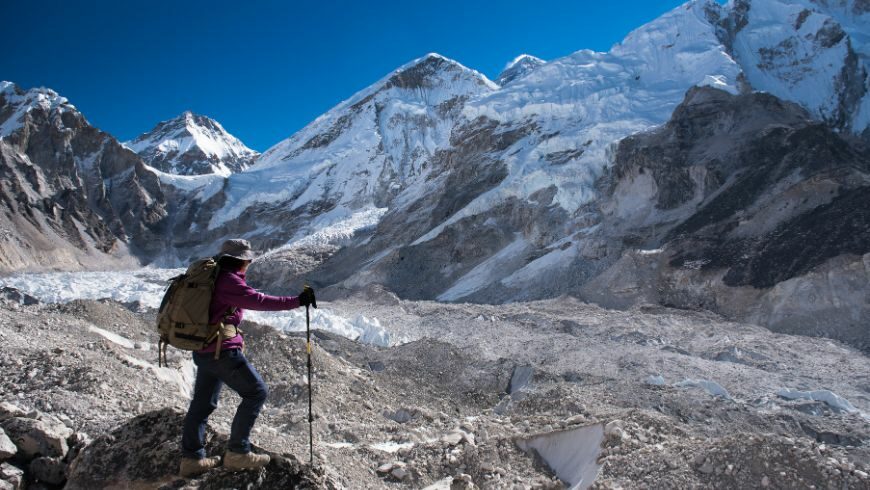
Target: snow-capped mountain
(519, 67)
(440, 184)
(451, 159)
(191, 144)
(70, 195)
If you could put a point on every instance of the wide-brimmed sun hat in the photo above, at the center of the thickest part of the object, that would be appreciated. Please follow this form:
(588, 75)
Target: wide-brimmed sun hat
(237, 248)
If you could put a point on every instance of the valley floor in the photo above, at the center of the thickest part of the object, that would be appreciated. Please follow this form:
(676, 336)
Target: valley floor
(648, 398)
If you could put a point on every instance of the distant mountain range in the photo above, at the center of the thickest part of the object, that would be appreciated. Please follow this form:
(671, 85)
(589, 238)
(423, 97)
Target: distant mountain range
(715, 158)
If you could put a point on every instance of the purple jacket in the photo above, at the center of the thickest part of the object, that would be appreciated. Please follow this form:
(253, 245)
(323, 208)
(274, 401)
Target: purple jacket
(231, 290)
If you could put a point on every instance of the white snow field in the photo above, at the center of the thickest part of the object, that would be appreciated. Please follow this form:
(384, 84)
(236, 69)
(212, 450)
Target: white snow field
(146, 286)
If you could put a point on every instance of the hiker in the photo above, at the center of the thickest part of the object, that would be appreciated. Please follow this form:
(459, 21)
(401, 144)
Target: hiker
(230, 366)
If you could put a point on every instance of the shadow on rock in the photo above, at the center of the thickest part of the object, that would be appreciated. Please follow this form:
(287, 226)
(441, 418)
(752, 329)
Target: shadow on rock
(143, 453)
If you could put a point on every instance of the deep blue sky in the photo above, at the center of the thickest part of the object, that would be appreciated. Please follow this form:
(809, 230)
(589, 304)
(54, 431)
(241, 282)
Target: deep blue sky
(264, 69)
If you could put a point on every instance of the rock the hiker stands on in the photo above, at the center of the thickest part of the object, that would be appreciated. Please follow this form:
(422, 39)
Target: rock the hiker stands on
(143, 452)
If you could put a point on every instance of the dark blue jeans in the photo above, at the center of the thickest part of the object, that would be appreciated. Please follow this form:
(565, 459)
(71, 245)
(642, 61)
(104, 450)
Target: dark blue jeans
(234, 370)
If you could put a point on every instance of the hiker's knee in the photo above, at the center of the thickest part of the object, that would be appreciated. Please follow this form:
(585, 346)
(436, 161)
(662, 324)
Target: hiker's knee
(261, 393)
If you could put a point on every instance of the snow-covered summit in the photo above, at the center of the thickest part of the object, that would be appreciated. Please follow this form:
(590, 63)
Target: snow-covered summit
(19, 103)
(192, 144)
(519, 67)
(813, 52)
(364, 150)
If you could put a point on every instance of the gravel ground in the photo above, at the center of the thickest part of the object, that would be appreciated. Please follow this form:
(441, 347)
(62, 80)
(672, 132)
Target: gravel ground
(680, 399)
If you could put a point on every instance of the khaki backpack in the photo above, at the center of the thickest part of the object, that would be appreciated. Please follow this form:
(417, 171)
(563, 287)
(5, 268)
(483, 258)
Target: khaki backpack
(183, 317)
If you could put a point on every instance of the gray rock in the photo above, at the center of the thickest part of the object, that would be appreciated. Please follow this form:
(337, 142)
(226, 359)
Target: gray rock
(462, 482)
(38, 437)
(399, 473)
(48, 470)
(7, 447)
(143, 453)
(12, 475)
(452, 438)
(9, 410)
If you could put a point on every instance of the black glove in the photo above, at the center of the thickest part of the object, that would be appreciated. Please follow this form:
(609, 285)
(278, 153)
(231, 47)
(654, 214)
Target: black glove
(306, 297)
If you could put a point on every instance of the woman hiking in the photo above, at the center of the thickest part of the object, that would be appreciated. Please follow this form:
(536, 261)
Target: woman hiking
(230, 367)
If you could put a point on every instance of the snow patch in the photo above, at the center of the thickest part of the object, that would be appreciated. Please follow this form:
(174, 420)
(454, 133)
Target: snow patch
(391, 447)
(113, 337)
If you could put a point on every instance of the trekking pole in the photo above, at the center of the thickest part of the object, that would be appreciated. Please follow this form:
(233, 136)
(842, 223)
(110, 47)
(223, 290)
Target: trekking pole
(310, 384)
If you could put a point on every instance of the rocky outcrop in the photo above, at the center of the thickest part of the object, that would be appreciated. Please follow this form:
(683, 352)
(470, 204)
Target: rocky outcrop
(41, 449)
(143, 453)
(732, 204)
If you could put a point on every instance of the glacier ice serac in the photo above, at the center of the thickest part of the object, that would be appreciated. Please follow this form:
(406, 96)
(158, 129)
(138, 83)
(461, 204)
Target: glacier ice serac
(146, 287)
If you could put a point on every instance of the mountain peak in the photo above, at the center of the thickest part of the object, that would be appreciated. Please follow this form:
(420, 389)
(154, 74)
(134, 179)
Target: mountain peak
(20, 102)
(519, 67)
(192, 144)
(434, 70)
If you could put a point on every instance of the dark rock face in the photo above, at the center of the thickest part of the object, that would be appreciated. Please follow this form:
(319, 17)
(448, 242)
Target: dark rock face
(771, 164)
(796, 247)
(743, 194)
(143, 453)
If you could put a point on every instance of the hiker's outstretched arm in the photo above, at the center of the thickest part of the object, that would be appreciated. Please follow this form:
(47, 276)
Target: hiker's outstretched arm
(241, 295)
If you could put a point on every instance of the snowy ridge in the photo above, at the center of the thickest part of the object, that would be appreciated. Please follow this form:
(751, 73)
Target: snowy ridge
(368, 145)
(377, 149)
(25, 101)
(192, 144)
(518, 68)
(797, 50)
(590, 100)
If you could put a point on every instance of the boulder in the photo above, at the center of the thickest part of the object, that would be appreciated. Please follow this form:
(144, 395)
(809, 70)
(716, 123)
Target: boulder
(9, 410)
(7, 447)
(38, 437)
(12, 475)
(48, 470)
(143, 452)
(462, 482)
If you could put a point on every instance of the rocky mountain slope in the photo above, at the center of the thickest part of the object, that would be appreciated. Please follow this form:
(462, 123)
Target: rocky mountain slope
(606, 175)
(524, 201)
(480, 395)
(732, 221)
(191, 144)
(71, 195)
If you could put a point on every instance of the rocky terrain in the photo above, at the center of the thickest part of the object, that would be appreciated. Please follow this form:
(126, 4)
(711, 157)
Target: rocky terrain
(475, 396)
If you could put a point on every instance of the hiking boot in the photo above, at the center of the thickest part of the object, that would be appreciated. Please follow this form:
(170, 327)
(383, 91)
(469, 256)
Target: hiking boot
(248, 461)
(194, 467)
